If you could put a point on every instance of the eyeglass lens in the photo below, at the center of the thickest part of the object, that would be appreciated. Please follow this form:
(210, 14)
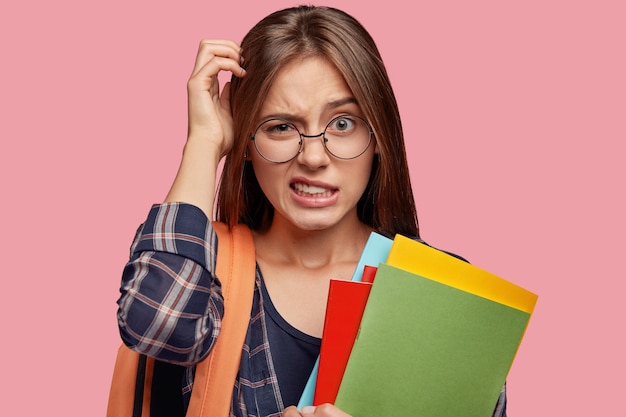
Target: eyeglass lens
(345, 137)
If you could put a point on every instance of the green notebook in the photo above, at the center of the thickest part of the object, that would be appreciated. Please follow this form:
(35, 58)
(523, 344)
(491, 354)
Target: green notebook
(429, 349)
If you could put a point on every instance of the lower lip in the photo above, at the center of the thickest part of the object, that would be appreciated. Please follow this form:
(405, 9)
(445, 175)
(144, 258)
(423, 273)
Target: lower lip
(310, 200)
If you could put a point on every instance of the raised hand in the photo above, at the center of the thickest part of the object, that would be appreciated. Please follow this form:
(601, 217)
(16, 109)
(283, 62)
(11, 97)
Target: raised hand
(210, 125)
(209, 113)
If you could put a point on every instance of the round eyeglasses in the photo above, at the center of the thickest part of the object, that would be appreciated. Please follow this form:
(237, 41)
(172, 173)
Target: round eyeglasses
(345, 137)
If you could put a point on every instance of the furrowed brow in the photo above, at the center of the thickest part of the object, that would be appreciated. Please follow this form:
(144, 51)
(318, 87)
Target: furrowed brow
(340, 102)
(330, 106)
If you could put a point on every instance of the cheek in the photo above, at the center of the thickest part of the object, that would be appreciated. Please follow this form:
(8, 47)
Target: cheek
(368, 162)
(361, 173)
(268, 176)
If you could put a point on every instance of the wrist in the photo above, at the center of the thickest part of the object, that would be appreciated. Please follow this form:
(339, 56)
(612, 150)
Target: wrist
(198, 147)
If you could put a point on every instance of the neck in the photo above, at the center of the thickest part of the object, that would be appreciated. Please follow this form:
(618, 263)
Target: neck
(284, 243)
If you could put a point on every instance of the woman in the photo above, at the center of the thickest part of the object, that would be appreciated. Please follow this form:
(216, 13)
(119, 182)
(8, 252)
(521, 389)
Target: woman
(314, 162)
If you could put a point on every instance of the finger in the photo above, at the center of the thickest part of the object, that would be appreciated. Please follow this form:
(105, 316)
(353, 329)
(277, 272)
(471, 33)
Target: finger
(226, 42)
(206, 78)
(291, 412)
(211, 48)
(225, 97)
(308, 410)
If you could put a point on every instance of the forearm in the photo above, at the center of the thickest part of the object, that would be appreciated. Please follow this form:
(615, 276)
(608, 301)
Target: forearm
(195, 181)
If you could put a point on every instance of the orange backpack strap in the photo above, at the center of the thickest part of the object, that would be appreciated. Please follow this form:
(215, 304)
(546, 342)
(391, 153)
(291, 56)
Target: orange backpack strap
(215, 375)
(129, 395)
(131, 386)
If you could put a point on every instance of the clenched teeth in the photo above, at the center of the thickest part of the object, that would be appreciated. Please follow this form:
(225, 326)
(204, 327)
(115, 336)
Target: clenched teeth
(303, 189)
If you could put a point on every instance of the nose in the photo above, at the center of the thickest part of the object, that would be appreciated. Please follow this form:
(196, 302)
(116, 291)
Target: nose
(313, 152)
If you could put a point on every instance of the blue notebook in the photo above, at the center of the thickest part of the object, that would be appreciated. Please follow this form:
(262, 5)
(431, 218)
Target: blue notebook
(375, 252)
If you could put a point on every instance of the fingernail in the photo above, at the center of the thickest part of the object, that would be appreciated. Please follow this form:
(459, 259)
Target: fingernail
(308, 409)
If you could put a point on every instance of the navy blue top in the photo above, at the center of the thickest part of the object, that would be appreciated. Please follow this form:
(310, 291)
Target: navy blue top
(294, 352)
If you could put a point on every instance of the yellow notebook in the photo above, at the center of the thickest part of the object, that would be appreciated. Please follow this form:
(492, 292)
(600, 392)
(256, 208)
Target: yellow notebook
(431, 263)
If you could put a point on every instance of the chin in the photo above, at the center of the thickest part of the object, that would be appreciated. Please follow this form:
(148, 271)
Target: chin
(312, 220)
(312, 226)
(315, 223)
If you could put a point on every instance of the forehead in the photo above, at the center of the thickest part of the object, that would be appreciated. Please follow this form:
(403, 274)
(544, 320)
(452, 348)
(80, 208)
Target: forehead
(306, 86)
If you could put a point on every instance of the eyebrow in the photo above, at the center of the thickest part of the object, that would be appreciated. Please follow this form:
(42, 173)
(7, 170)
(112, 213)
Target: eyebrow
(340, 102)
(331, 105)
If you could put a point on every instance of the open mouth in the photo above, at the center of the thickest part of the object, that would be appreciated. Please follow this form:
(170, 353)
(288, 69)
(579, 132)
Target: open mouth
(306, 190)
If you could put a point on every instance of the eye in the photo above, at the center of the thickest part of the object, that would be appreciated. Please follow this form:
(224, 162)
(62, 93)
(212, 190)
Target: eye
(283, 127)
(341, 124)
(278, 128)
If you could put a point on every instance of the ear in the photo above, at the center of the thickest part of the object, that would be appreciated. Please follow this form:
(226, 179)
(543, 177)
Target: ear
(376, 151)
(246, 154)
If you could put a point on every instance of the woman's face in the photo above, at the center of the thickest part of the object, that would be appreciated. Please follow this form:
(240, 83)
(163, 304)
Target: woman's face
(314, 190)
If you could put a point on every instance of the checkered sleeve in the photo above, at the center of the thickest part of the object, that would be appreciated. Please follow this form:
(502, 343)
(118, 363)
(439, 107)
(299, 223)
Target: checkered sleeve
(171, 304)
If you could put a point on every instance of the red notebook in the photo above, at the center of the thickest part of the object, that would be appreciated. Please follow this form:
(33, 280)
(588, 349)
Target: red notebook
(369, 272)
(346, 302)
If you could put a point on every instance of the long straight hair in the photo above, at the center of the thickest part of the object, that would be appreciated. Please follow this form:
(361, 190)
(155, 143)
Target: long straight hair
(387, 204)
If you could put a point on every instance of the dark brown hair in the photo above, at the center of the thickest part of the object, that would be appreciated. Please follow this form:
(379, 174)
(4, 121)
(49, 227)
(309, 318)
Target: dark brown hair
(387, 205)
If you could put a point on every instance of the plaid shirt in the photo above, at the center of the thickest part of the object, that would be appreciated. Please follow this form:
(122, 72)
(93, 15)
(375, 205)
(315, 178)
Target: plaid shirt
(171, 307)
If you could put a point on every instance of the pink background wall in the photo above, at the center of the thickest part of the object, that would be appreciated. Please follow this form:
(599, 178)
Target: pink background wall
(515, 113)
